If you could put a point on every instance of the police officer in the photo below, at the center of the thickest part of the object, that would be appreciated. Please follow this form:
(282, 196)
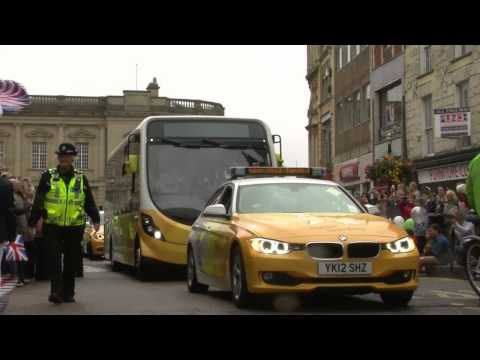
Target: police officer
(62, 199)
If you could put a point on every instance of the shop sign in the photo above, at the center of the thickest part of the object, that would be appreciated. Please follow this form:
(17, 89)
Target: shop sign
(443, 173)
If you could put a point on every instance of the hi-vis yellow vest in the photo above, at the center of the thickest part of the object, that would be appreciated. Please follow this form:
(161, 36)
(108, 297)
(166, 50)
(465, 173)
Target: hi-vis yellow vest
(64, 203)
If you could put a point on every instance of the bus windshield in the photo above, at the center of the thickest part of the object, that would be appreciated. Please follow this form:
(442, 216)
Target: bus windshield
(187, 160)
(181, 180)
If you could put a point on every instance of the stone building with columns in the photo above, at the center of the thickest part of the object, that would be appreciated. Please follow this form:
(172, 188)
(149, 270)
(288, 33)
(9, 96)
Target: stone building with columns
(95, 125)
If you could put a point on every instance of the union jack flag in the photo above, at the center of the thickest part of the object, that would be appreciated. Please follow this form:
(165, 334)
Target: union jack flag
(13, 97)
(16, 250)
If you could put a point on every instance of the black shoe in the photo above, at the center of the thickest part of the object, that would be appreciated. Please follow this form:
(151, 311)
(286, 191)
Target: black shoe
(54, 298)
(69, 299)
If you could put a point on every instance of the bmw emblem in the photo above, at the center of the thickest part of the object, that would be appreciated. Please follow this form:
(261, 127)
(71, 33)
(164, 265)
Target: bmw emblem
(343, 238)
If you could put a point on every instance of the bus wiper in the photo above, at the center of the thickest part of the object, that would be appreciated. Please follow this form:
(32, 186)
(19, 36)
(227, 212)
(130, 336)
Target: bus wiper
(211, 142)
(171, 142)
(250, 159)
(245, 146)
(179, 144)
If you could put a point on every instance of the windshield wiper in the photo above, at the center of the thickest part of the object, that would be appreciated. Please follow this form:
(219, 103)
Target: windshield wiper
(245, 146)
(250, 159)
(211, 142)
(179, 144)
(171, 142)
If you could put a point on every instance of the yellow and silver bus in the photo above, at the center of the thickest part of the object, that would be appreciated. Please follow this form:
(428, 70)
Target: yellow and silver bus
(159, 178)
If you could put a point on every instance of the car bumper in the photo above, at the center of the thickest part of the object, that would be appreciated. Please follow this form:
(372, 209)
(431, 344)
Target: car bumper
(97, 247)
(298, 272)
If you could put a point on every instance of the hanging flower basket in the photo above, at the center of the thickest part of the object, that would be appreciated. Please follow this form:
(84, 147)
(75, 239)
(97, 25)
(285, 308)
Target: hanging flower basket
(390, 171)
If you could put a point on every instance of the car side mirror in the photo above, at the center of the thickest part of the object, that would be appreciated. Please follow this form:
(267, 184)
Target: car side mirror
(373, 210)
(216, 210)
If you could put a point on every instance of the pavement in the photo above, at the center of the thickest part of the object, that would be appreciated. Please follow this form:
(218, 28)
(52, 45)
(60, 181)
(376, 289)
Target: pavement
(103, 292)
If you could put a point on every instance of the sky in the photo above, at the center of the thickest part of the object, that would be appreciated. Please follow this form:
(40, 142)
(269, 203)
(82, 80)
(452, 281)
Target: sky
(263, 82)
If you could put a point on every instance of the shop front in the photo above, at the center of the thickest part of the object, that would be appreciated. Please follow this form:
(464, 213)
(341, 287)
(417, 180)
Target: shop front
(351, 174)
(447, 176)
(447, 170)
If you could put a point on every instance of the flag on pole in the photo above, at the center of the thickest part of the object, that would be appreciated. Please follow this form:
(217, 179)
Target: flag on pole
(16, 250)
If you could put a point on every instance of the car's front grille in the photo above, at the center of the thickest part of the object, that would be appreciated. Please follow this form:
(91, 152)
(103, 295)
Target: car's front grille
(363, 250)
(325, 250)
(280, 278)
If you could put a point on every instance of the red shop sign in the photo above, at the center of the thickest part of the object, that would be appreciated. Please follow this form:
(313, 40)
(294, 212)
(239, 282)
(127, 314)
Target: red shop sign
(349, 172)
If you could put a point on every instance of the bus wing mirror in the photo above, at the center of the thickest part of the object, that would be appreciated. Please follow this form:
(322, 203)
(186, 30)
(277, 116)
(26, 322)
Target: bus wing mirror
(277, 139)
(131, 165)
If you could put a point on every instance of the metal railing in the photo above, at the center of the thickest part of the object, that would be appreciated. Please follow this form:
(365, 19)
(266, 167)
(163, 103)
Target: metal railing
(46, 103)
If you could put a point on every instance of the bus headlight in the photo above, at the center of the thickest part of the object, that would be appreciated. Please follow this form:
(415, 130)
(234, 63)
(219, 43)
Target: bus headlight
(403, 245)
(150, 228)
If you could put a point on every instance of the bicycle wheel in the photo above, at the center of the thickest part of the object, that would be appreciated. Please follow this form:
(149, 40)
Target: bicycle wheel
(472, 265)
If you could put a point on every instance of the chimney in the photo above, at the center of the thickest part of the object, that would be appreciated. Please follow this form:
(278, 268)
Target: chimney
(153, 88)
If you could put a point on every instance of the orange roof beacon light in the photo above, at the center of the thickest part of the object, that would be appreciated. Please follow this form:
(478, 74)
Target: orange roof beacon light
(237, 172)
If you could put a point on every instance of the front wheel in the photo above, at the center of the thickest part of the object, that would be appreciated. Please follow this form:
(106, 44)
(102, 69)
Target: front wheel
(140, 267)
(241, 296)
(397, 298)
(192, 283)
(472, 265)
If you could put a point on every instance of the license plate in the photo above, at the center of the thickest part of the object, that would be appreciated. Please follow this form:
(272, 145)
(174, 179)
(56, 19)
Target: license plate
(344, 268)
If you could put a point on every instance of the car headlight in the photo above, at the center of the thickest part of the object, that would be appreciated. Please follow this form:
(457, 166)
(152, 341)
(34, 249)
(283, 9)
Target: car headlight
(403, 245)
(267, 246)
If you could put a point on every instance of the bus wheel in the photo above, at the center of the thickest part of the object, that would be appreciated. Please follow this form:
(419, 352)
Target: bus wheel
(115, 265)
(140, 267)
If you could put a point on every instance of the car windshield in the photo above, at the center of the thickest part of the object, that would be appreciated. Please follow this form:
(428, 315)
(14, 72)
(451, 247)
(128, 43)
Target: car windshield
(294, 198)
(181, 179)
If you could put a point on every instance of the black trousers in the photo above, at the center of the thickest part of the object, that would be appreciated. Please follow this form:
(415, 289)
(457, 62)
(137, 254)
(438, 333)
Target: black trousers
(29, 266)
(63, 243)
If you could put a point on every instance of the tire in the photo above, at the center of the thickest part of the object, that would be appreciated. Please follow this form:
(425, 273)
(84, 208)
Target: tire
(90, 251)
(397, 298)
(115, 265)
(472, 265)
(140, 268)
(192, 283)
(240, 295)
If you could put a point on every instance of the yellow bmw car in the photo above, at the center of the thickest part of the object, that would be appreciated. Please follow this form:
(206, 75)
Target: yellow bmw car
(93, 242)
(264, 234)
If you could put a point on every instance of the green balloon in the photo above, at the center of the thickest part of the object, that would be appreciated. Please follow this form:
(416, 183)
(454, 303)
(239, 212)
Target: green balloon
(409, 224)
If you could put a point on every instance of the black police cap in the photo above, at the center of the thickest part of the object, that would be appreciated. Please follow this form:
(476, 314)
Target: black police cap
(66, 149)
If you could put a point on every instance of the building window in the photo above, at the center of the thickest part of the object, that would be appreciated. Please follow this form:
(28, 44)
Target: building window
(81, 162)
(460, 50)
(425, 59)
(2, 155)
(39, 155)
(462, 94)
(357, 102)
(340, 56)
(387, 52)
(390, 105)
(428, 116)
(326, 143)
(340, 116)
(326, 81)
(366, 103)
